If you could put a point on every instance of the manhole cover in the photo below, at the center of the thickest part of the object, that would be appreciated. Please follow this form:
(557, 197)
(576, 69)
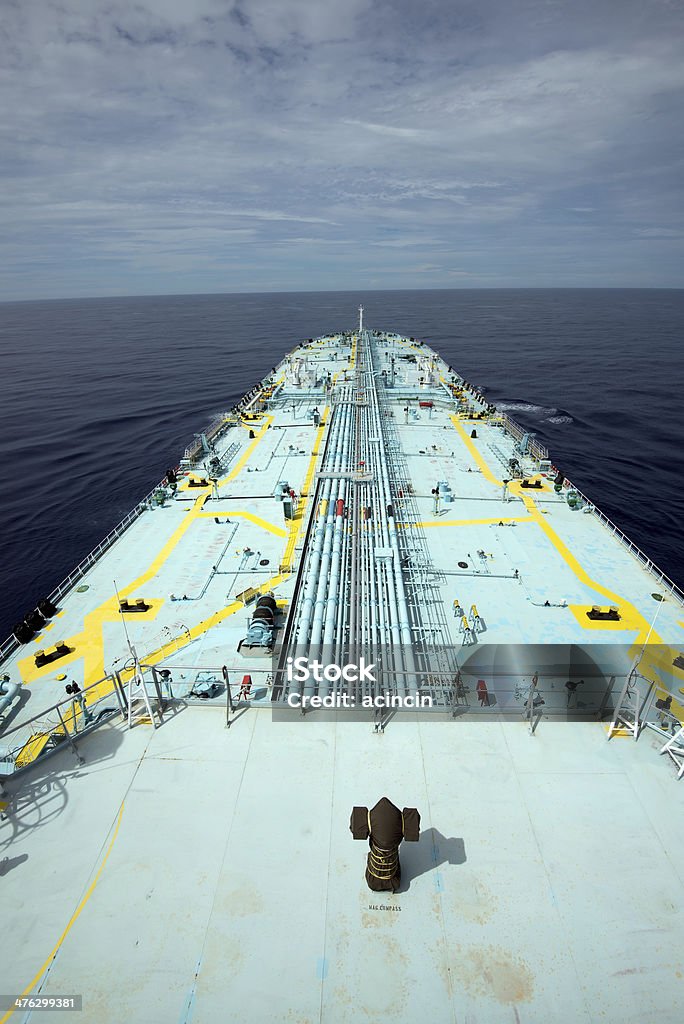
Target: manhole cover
(463, 565)
(264, 561)
(82, 588)
(657, 597)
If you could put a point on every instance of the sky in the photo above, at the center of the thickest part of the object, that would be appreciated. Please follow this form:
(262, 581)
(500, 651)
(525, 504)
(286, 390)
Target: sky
(183, 146)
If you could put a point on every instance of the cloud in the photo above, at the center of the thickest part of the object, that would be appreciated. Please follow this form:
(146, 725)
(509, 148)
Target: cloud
(137, 135)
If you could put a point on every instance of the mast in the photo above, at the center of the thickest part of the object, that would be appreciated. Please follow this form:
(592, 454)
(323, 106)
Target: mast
(360, 319)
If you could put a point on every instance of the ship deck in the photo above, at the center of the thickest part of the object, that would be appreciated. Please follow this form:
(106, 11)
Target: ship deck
(167, 872)
(195, 873)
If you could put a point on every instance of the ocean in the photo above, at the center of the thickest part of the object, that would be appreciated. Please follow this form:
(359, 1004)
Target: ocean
(101, 395)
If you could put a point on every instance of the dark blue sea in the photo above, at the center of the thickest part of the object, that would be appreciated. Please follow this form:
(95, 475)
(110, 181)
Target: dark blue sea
(101, 395)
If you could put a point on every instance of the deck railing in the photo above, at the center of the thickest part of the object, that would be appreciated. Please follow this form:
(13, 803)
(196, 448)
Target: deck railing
(11, 643)
(535, 449)
(633, 548)
(538, 451)
(68, 722)
(212, 433)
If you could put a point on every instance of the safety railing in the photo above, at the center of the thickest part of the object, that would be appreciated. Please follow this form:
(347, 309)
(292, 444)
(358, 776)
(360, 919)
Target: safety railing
(647, 563)
(535, 449)
(11, 643)
(212, 433)
(65, 724)
(60, 726)
(540, 452)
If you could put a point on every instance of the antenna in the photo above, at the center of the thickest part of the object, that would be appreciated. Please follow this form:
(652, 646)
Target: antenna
(661, 601)
(131, 648)
(631, 709)
(360, 319)
(137, 688)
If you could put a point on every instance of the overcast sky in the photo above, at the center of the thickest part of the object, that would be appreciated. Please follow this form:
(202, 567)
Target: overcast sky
(180, 146)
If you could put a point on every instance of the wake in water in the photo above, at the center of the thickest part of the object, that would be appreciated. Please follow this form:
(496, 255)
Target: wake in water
(540, 412)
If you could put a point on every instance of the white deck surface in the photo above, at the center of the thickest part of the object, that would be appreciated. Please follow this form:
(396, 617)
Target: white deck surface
(548, 884)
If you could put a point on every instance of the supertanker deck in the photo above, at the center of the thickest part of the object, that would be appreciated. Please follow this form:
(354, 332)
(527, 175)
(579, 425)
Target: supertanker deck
(363, 580)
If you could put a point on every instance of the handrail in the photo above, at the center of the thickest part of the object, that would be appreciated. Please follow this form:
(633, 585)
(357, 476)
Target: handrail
(537, 450)
(11, 643)
(648, 564)
(633, 548)
(211, 433)
(56, 725)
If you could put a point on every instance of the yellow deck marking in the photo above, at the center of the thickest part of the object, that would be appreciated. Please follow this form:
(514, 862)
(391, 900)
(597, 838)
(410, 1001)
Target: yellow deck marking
(247, 453)
(29, 671)
(34, 747)
(624, 622)
(89, 643)
(257, 520)
(153, 603)
(31, 987)
(171, 543)
(472, 448)
(630, 612)
(298, 521)
(635, 617)
(176, 644)
(267, 420)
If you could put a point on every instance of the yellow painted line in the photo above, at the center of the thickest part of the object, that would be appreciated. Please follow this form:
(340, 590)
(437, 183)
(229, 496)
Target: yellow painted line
(620, 733)
(631, 615)
(298, 521)
(171, 543)
(247, 453)
(177, 644)
(257, 520)
(475, 453)
(635, 617)
(94, 670)
(31, 987)
(352, 353)
(89, 643)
